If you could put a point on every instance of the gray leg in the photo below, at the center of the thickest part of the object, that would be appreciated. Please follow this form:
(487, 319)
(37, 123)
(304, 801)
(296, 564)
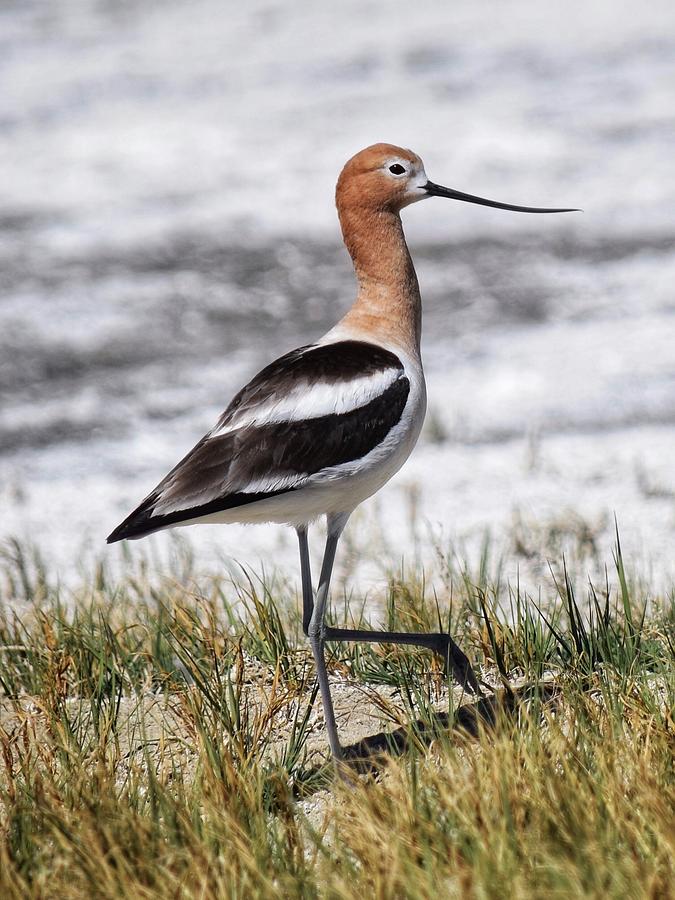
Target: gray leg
(442, 644)
(317, 629)
(306, 573)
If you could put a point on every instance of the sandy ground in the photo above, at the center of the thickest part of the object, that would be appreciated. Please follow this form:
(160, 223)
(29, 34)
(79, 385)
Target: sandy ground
(163, 723)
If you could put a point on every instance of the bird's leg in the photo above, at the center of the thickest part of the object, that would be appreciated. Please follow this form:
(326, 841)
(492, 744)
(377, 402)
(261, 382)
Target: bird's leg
(306, 573)
(442, 644)
(317, 630)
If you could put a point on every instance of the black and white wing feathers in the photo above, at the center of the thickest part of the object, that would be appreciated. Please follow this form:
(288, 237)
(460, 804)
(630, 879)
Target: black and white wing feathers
(313, 409)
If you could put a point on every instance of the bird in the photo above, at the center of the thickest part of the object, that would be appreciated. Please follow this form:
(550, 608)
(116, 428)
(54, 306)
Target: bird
(325, 426)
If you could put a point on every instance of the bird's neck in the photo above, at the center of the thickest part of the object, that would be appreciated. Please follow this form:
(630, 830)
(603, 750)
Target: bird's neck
(388, 304)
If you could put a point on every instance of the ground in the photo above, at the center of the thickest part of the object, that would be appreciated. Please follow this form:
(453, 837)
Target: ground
(164, 737)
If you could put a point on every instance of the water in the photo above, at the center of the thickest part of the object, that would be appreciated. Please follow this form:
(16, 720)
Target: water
(167, 226)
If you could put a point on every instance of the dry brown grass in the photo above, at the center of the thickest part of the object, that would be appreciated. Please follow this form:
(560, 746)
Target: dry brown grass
(156, 742)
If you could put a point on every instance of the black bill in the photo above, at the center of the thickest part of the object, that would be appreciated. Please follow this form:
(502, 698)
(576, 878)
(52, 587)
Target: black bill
(436, 190)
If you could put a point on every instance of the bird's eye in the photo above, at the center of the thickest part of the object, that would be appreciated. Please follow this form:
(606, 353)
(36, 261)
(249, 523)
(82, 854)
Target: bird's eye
(397, 169)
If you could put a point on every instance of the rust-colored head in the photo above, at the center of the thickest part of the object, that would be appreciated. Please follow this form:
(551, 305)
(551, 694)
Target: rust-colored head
(382, 176)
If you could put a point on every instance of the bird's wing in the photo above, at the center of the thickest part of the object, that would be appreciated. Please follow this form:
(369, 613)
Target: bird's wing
(313, 409)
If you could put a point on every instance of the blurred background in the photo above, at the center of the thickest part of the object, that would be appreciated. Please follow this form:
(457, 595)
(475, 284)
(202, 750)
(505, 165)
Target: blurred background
(167, 227)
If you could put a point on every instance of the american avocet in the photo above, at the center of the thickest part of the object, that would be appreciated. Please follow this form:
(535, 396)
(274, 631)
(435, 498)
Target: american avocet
(326, 426)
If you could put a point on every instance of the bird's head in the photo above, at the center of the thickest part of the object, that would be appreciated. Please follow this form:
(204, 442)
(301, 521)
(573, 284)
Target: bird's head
(387, 177)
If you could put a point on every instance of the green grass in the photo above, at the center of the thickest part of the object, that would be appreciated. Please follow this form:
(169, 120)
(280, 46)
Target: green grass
(158, 738)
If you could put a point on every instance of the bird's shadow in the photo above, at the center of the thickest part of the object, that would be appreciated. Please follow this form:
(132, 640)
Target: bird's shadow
(367, 756)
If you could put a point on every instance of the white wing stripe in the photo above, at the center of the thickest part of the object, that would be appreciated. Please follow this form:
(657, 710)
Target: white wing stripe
(311, 401)
(254, 486)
